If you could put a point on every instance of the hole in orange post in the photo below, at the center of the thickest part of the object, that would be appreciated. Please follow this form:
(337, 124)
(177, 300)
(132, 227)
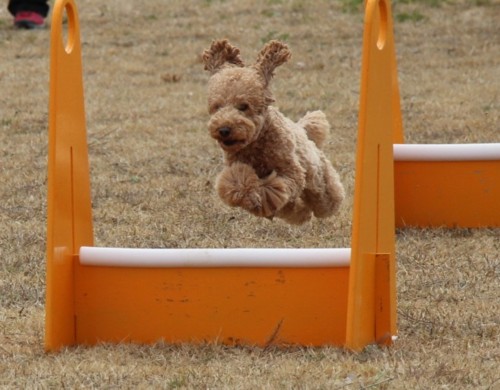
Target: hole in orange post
(68, 29)
(382, 30)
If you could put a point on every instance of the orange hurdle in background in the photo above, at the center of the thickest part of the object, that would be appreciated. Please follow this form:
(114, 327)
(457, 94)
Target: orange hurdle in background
(344, 297)
(451, 185)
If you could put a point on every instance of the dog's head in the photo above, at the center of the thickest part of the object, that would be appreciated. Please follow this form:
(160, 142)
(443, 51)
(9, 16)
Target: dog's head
(238, 95)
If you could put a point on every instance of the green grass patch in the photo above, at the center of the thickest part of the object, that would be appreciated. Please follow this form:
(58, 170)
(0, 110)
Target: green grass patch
(275, 35)
(352, 6)
(413, 16)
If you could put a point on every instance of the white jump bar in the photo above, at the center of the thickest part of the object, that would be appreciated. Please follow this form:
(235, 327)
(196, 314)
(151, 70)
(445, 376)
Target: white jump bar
(447, 152)
(216, 258)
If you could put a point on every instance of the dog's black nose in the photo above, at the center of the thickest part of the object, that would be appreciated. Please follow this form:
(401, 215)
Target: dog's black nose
(224, 132)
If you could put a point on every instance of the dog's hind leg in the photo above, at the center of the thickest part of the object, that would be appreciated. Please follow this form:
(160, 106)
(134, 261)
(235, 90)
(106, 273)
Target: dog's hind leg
(295, 213)
(326, 197)
(316, 126)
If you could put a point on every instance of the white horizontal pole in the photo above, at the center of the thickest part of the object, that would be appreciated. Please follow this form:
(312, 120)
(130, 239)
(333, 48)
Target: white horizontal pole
(447, 152)
(216, 257)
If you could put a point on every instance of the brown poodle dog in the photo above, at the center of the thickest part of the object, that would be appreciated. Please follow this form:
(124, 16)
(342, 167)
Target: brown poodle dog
(274, 167)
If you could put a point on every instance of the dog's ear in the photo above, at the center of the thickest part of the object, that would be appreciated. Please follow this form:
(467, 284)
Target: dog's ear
(273, 54)
(220, 54)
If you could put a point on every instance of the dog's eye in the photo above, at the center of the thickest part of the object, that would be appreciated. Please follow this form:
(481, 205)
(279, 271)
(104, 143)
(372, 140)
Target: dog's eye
(242, 106)
(214, 108)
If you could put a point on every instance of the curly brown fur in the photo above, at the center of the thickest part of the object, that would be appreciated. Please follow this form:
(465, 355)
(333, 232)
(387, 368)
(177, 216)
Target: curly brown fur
(273, 167)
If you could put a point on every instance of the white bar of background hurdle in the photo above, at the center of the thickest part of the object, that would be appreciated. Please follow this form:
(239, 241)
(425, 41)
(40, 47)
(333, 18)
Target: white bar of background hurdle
(215, 257)
(447, 152)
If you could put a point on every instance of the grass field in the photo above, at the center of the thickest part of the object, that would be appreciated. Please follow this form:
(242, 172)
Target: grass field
(153, 168)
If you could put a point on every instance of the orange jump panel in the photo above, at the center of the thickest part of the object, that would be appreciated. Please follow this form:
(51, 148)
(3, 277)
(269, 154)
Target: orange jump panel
(447, 193)
(252, 306)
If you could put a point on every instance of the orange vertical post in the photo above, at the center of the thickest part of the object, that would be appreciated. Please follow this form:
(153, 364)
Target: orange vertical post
(371, 315)
(69, 215)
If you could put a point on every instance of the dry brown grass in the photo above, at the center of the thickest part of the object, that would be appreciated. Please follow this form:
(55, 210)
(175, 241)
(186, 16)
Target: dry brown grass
(153, 167)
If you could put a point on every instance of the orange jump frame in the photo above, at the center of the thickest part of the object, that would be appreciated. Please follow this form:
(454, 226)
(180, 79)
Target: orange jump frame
(342, 297)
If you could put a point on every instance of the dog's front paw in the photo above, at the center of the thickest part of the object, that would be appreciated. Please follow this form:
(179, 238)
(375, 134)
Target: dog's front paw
(238, 186)
(274, 193)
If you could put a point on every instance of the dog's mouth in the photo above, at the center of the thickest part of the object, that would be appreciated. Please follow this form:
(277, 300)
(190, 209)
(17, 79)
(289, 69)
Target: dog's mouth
(229, 143)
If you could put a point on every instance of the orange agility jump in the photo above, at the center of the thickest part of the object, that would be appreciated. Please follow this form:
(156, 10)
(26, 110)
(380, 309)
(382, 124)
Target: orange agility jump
(450, 185)
(344, 297)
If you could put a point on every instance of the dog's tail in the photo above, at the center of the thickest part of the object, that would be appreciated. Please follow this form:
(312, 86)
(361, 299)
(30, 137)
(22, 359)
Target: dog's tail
(316, 126)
